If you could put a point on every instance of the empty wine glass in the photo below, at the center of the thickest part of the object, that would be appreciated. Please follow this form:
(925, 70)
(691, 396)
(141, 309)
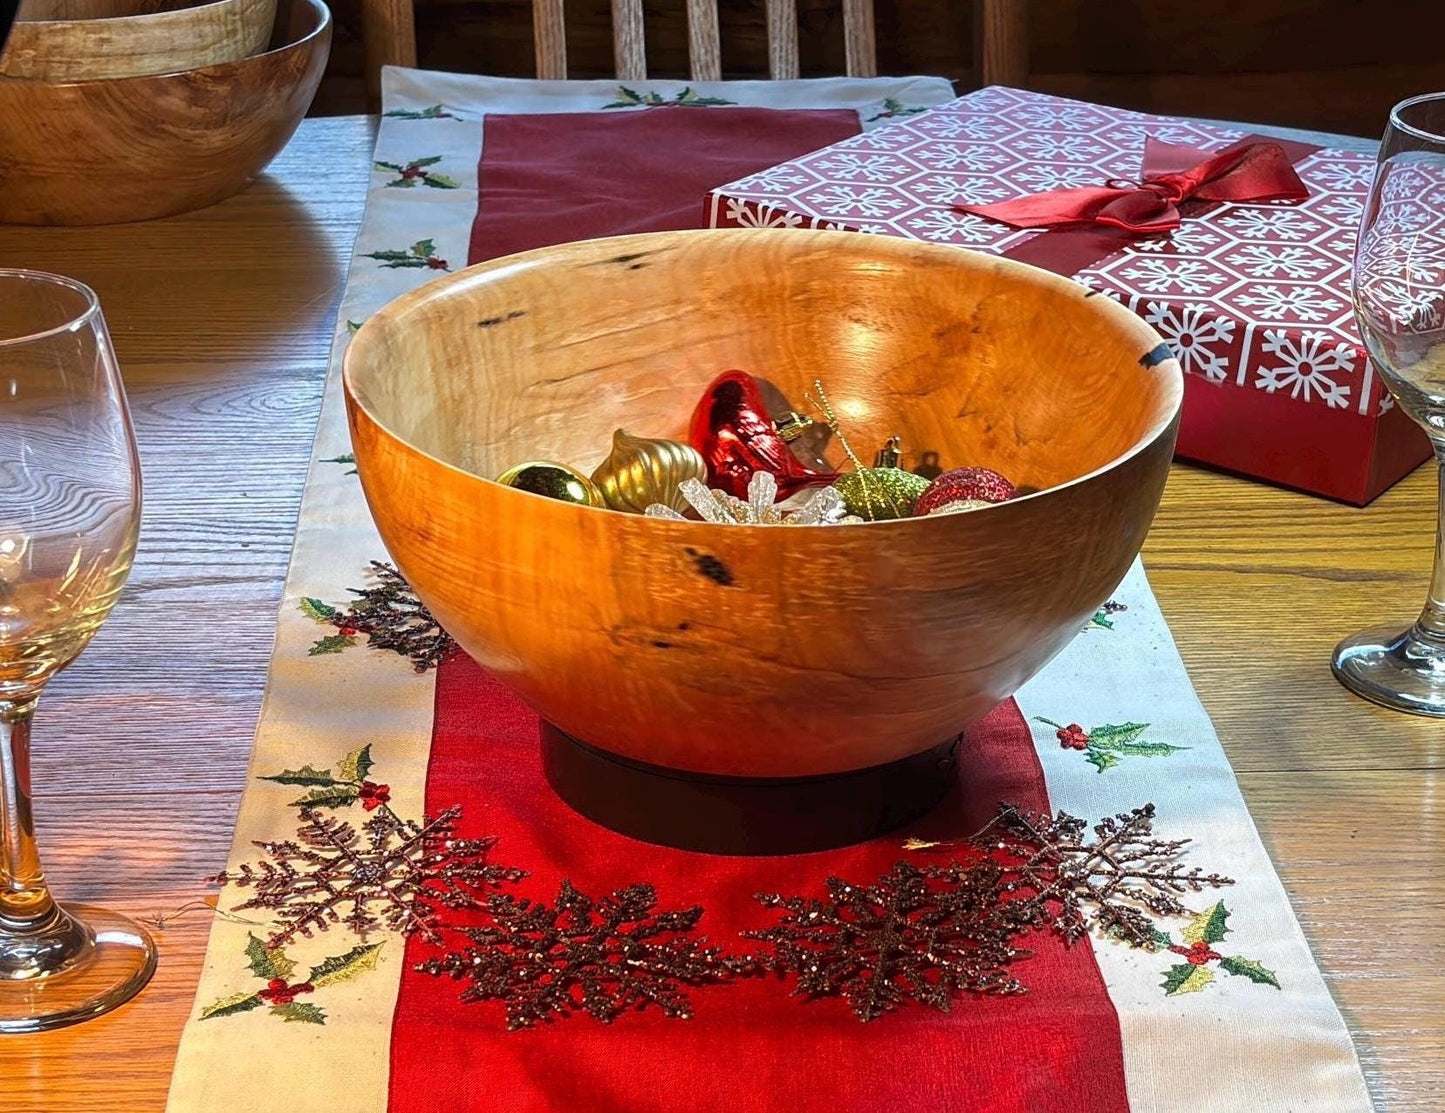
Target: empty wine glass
(69, 513)
(1399, 293)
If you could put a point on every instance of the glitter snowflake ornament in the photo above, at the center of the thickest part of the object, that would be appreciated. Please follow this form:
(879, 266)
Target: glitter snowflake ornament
(602, 957)
(821, 507)
(1111, 883)
(392, 874)
(915, 935)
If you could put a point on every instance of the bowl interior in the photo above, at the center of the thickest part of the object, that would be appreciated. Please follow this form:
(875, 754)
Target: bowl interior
(980, 361)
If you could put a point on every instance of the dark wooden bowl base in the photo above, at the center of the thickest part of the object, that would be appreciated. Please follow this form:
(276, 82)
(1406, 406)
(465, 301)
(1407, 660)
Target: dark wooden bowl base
(743, 815)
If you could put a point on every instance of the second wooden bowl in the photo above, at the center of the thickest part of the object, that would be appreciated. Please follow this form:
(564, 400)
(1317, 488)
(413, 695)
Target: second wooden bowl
(103, 152)
(762, 651)
(52, 41)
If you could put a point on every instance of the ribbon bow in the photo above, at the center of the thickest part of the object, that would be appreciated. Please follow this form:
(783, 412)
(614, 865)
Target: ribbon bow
(1250, 170)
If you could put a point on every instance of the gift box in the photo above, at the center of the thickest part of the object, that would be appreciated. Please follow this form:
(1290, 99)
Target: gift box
(1252, 297)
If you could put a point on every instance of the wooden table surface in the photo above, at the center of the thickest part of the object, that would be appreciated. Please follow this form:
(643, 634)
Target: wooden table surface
(222, 320)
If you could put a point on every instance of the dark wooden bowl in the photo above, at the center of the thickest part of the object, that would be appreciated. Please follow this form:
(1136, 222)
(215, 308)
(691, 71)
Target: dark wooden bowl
(760, 651)
(133, 148)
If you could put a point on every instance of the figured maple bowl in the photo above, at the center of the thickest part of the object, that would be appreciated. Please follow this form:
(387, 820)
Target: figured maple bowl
(762, 651)
(133, 148)
(84, 40)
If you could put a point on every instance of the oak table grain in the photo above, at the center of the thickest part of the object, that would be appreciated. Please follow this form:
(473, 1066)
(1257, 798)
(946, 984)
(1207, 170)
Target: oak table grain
(222, 319)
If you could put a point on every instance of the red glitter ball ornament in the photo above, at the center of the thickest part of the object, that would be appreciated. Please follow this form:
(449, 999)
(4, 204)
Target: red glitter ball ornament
(732, 430)
(964, 485)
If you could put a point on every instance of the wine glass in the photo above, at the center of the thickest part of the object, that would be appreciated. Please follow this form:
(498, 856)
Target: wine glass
(69, 514)
(1399, 293)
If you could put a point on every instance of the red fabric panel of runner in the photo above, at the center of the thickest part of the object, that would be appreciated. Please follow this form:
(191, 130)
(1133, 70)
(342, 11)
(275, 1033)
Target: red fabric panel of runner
(556, 178)
(749, 1047)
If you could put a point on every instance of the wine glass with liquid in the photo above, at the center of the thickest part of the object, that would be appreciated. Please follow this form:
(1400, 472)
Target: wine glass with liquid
(69, 514)
(1399, 293)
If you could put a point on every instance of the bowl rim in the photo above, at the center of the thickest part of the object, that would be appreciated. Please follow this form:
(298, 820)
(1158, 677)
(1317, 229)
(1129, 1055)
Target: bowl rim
(323, 26)
(400, 305)
(109, 21)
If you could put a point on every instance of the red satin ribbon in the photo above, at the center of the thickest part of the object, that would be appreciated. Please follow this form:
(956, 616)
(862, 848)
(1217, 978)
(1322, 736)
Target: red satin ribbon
(1251, 170)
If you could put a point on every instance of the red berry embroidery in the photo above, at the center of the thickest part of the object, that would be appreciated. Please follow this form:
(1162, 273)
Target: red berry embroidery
(1197, 954)
(280, 993)
(1073, 737)
(373, 795)
(437, 264)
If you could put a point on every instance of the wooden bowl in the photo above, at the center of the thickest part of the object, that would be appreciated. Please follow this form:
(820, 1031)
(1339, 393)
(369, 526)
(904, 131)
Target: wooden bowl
(103, 152)
(761, 651)
(132, 37)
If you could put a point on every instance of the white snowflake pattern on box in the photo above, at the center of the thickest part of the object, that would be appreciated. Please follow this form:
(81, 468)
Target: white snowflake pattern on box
(1215, 288)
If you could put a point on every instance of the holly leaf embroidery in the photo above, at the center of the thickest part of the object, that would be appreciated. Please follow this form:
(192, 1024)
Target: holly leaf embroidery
(388, 166)
(337, 796)
(310, 606)
(267, 962)
(303, 776)
(1102, 759)
(1208, 926)
(293, 1012)
(331, 643)
(352, 326)
(1100, 620)
(1186, 978)
(440, 181)
(1251, 969)
(423, 249)
(230, 1006)
(355, 765)
(1114, 736)
(342, 968)
(430, 161)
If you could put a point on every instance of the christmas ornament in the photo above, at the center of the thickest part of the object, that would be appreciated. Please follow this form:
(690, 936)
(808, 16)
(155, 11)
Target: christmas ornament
(641, 471)
(793, 425)
(732, 430)
(877, 494)
(393, 874)
(914, 935)
(553, 481)
(973, 486)
(606, 957)
(824, 507)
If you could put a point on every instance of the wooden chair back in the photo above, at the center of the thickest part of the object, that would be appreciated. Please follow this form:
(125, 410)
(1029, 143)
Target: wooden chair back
(389, 32)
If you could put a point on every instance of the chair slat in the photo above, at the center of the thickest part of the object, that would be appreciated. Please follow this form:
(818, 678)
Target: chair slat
(388, 38)
(704, 50)
(782, 39)
(859, 41)
(1001, 38)
(628, 42)
(549, 33)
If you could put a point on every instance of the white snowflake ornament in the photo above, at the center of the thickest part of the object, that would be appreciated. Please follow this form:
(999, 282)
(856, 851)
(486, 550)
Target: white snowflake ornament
(823, 507)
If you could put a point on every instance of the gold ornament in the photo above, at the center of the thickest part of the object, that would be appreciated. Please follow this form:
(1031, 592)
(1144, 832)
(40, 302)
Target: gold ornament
(876, 494)
(641, 471)
(792, 425)
(553, 481)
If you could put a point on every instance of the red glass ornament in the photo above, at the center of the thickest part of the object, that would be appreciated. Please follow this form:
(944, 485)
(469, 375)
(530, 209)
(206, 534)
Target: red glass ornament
(732, 430)
(959, 484)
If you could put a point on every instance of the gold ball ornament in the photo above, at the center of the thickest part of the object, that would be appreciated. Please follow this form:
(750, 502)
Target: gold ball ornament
(553, 481)
(879, 494)
(641, 471)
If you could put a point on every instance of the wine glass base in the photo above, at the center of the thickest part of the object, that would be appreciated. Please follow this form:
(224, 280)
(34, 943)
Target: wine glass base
(1395, 669)
(86, 963)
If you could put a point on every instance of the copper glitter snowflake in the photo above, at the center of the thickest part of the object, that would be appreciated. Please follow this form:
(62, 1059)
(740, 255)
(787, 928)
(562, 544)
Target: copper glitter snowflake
(915, 935)
(392, 874)
(1112, 882)
(391, 616)
(603, 957)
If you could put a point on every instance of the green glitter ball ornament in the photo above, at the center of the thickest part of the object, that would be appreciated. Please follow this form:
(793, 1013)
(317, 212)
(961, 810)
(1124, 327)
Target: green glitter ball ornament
(878, 494)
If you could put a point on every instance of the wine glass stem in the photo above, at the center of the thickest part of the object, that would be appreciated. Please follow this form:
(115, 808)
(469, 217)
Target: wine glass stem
(25, 902)
(1431, 625)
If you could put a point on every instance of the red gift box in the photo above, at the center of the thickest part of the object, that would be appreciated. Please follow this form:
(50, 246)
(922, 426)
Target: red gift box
(1254, 299)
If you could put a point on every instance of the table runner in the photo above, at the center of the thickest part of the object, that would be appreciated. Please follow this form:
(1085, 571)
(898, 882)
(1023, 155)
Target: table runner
(369, 717)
